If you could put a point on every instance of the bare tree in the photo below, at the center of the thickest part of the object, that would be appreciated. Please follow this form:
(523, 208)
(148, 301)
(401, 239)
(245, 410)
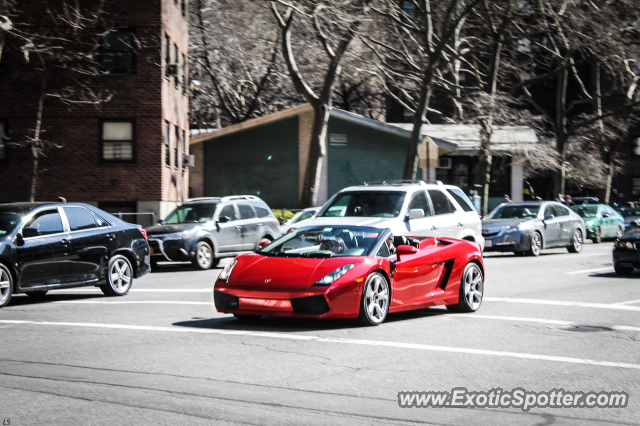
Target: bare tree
(335, 26)
(6, 10)
(58, 46)
(413, 59)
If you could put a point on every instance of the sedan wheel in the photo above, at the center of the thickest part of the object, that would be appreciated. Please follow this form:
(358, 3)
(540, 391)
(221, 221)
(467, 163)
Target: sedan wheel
(597, 235)
(536, 244)
(204, 256)
(119, 277)
(619, 233)
(6, 285)
(576, 242)
(471, 290)
(374, 304)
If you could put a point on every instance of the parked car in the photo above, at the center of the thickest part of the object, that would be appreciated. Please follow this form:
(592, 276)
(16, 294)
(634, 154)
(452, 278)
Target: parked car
(530, 227)
(405, 207)
(203, 230)
(301, 216)
(626, 250)
(46, 246)
(600, 221)
(629, 215)
(347, 271)
(585, 200)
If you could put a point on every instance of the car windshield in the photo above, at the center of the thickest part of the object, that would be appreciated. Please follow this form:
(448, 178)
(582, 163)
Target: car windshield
(586, 210)
(194, 213)
(515, 212)
(365, 204)
(323, 241)
(10, 217)
(302, 216)
(630, 213)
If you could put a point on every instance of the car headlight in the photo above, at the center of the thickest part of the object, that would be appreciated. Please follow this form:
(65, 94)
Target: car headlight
(524, 226)
(589, 223)
(511, 229)
(224, 275)
(624, 245)
(332, 277)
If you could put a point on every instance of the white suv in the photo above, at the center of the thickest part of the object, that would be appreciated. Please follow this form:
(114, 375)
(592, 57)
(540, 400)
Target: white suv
(405, 207)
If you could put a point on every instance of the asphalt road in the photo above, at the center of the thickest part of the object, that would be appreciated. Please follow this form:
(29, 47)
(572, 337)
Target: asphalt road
(162, 355)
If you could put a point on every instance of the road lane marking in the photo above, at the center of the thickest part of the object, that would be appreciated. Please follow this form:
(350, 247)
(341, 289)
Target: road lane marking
(586, 271)
(563, 303)
(143, 290)
(379, 343)
(540, 320)
(628, 302)
(131, 302)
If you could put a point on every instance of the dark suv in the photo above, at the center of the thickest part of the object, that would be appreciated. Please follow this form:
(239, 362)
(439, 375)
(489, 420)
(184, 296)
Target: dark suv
(203, 230)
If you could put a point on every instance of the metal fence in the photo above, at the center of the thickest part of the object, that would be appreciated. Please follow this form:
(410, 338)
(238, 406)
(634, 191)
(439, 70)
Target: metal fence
(144, 219)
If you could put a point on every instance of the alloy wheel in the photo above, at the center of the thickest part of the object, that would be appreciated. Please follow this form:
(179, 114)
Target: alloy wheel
(376, 299)
(120, 275)
(5, 287)
(577, 241)
(205, 256)
(536, 244)
(473, 286)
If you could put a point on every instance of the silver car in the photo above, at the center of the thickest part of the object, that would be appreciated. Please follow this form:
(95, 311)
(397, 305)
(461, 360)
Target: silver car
(527, 228)
(405, 207)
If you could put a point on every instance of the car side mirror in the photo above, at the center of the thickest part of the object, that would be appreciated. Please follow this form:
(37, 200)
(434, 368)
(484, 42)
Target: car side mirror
(224, 219)
(605, 215)
(160, 222)
(548, 216)
(19, 239)
(404, 250)
(415, 214)
(30, 232)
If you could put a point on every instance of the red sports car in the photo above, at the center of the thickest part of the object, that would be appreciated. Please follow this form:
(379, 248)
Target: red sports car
(351, 272)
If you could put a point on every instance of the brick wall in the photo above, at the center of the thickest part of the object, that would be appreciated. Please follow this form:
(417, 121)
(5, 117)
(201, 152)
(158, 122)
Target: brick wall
(74, 169)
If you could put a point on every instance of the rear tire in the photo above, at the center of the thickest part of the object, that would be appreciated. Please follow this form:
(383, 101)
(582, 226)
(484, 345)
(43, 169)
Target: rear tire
(576, 242)
(6, 286)
(622, 270)
(119, 276)
(154, 265)
(471, 290)
(204, 256)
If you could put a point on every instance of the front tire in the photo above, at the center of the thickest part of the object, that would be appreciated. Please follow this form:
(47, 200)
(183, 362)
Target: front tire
(204, 256)
(536, 245)
(471, 290)
(119, 276)
(597, 236)
(576, 242)
(6, 286)
(374, 303)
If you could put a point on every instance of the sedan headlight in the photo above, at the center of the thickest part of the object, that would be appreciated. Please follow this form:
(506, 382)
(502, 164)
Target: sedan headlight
(332, 277)
(511, 229)
(224, 275)
(589, 223)
(624, 245)
(525, 225)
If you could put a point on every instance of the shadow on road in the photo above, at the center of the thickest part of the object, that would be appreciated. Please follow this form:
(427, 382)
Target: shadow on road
(292, 325)
(23, 299)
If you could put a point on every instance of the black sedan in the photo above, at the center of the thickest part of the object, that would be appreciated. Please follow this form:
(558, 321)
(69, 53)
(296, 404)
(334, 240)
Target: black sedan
(626, 250)
(527, 228)
(45, 246)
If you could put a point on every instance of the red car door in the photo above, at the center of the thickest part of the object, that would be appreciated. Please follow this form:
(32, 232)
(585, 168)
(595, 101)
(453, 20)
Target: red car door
(416, 276)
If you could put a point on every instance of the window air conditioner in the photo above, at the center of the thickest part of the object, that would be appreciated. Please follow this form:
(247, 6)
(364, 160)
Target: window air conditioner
(444, 163)
(189, 160)
(173, 70)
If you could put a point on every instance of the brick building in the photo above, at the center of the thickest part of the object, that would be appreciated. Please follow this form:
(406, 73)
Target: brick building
(126, 154)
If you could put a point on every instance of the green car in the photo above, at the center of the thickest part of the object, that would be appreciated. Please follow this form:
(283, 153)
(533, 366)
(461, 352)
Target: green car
(601, 221)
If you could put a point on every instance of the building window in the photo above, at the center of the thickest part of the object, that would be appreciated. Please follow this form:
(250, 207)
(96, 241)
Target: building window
(636, 146)
(409, 8)
(167, 45)
(184, 74)
(117, 55)
(184, 148)
(176, 79)
(167, 144)
(176, 163)
(184, 8)
(3, 139)
(635, 186)
(117, 140)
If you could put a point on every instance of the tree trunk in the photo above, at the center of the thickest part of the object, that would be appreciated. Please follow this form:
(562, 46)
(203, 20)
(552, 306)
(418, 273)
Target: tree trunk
(607, 187)
(35, 143)
(317, 155)
(412, 160)
(484, 162)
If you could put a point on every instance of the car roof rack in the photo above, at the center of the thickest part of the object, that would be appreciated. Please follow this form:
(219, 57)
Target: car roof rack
(189, 200)
(240, 197)
(399, 182)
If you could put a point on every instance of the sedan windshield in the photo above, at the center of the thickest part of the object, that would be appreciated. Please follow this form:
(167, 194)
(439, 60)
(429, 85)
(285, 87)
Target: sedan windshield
(586, 210)
(194, 213)
(10, 218)
(515, 212)
(322, 241)
(365, 204)
(630, 213)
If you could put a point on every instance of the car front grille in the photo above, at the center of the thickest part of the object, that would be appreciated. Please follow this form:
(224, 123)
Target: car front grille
(225, 301)
(490, 232)
(312, 305)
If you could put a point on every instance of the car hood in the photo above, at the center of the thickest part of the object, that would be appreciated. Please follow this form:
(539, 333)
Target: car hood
(503, 223)
(169, 229)
(631, 234)
(376, 222)
(284, 273)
